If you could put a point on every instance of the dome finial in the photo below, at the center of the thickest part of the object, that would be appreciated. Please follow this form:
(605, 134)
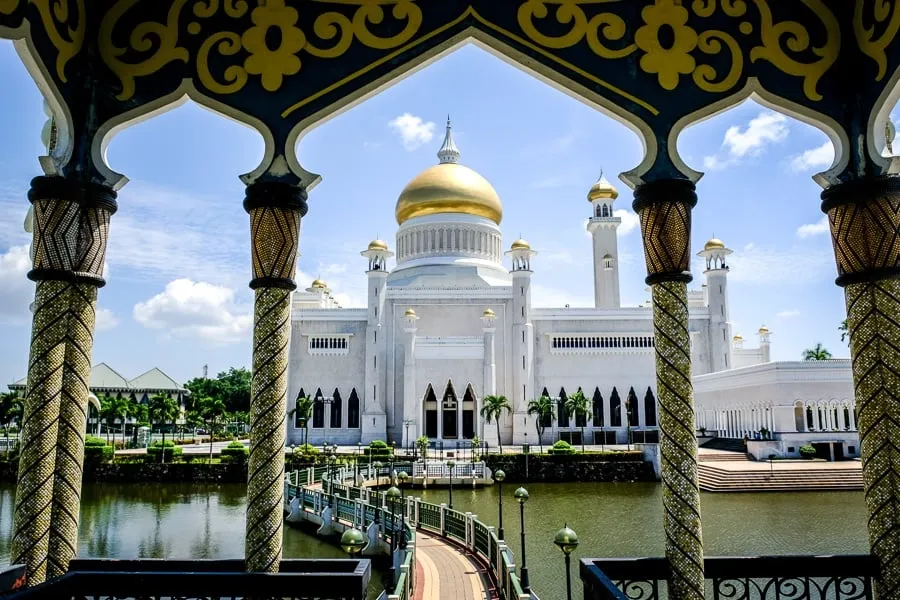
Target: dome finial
(448, 153)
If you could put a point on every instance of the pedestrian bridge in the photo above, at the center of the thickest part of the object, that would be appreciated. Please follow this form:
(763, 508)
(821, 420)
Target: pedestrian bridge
(436, 552)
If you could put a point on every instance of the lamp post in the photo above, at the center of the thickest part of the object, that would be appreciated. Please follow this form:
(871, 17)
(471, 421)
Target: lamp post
(293, 450)
(377, 465)
(401, 479)
(450, 465)
(499, 476)
(392, 493)
(521, 495)
(409, 443)
(356, 464)
(567, 540)
(393, 456)
(331, 460)
(353, 541)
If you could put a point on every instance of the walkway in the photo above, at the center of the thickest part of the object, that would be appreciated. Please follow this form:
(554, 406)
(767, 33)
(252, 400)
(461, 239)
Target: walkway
(444, 572)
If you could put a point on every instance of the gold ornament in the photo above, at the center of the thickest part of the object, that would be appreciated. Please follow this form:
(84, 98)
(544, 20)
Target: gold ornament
(668, 63)
(273, 64)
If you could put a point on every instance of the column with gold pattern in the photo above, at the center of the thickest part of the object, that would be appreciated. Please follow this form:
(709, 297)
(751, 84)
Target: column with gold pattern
(275, 211)
(98, 203)
(664, 207)
(56, 211)
(864, 216)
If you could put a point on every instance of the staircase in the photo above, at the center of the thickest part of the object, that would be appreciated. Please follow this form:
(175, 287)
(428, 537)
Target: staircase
(718, 479)
(728, 444)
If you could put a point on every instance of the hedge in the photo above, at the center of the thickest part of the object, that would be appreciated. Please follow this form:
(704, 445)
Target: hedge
(561, 447)
(379, 449)
(155, 450)
(807, 452)
(97, 451)
(235, 452)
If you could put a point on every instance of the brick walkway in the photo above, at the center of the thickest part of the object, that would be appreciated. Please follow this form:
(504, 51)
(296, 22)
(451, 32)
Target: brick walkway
(444, 572)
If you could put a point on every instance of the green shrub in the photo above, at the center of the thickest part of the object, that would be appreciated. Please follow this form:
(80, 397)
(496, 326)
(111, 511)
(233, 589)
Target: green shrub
(97, 451)
(561, 447)
(156, 449)
(306, 450)
(235, 452)
(807, 452)
(379, 448)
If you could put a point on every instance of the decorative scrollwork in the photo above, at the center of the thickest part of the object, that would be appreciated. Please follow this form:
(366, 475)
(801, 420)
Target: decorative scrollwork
(7, 7)
(66, 37)
(640, 589)
(611, 25)
(885, 14)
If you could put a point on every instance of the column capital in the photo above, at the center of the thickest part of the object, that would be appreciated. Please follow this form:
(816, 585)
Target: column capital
(864, 217)
(275, 210)
(664, 207)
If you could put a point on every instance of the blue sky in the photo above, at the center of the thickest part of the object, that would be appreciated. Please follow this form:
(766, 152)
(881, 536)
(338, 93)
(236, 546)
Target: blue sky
(178, 259)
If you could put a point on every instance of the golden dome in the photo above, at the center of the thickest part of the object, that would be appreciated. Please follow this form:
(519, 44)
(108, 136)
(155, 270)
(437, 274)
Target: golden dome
(602, 190)
(763, 330)
(449, 188)
(488, 313)
(714, 244)
(409, 313)
(738, 338)
(520, 244)
(318, 284)
(378, 245)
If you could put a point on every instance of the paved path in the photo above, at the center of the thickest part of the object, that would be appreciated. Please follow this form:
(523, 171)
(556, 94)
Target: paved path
(444, 572)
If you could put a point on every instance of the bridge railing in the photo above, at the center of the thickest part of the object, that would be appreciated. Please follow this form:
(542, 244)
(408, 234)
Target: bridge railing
(847, 577)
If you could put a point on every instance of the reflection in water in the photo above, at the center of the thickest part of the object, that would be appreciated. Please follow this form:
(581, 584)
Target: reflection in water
(625, 519)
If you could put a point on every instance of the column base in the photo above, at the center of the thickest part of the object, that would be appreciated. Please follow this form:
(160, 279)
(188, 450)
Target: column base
(373, 426)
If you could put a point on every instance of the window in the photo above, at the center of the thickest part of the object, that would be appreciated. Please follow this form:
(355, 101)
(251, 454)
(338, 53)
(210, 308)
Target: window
(337, 406)
(329, 345)
(523, 311)
(376, 337)
(374, 362)
(523, 290)
(523, 336)
(376, 311)
(523, 362)
(720, 289)
(723, 309)
(353, 410)
(594, 343)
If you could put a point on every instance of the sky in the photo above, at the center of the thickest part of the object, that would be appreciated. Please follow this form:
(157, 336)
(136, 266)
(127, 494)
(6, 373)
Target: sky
(178, 259)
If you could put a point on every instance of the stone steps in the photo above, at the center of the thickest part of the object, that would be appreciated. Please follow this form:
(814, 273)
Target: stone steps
(722, 457)
(727, 444)
(714, 479)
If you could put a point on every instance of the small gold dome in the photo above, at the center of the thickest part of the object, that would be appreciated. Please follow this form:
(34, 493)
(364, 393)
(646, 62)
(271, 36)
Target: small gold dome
(448, 188)
(763, 330)
(378, 245)
(714, 244)
(488, 313)
(318, 284)
(409, 313)
(738, 338)
(602, 190)
(520, 244)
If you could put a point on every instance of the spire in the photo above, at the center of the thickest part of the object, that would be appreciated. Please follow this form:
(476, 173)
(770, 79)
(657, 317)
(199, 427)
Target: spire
(448, 152)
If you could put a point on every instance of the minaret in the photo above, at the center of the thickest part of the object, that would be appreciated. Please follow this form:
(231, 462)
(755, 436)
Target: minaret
(412, 406)
(714, 251)
(373, 424)
(603, 226)
(764, 347)
(448, 153)
(522, 349)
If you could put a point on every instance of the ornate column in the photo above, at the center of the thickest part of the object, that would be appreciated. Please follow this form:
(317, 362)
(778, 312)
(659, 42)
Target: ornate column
(413, 406)
(275, 210)
(55, 250)
(865, 231)
(98, 204)
(664, 207)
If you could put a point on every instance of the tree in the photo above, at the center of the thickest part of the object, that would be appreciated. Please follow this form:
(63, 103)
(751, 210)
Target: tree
(302, 413)
(213, 411)
(108, 409)
(234, 387)
(542, 409)
(845, 331)
(577, 405)
(163, 409)
(492, 410)
(119, 409)
(10, 410)
(816, 353)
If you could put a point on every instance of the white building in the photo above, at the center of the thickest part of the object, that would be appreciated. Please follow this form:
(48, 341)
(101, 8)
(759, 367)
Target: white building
(451, 323)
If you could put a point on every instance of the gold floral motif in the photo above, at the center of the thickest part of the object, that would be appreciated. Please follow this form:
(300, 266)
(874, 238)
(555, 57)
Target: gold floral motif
(796, 39)
(67, 45)
(865, 36)
(7, 7)
(672, 62)
(273, 64)
(611, 25)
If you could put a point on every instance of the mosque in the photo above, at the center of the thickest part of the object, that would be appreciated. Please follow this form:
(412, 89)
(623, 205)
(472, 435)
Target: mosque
(453, 322)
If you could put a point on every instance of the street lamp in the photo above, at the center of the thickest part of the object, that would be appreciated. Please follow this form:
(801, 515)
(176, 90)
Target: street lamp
(521, 495)
(356, 463)
(353, 541)
(567, 540)
(401, 479)
(499, 476)
(392, 493)
(377, 465)
(331, 460)
(450, 465)
(393, 456)
(293, 450)
(407, 423)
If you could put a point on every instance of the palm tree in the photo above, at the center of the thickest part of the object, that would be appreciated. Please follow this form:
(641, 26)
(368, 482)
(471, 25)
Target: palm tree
(542, 408)
(844, 329)
(213, 410)
(492, 410)
(577, 405)
(302, 413)
(108, 408)
(119, 410)
(10, 410)
(140, 413)
(163, 409)
(816, 353)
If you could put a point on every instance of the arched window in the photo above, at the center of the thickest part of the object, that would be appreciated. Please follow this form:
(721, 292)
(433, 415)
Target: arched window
(337, 406)
(597, 408)
(632, 408)
(298, 418)
(581, 419)
(562, 415)
(615, 409)
(318, 409)
(431, 409)
(353, 410)
(650, 408)
(809, 418)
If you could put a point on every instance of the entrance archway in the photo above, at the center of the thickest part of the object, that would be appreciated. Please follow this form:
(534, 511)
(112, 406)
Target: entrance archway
(431, 413)
(468, 414)
(449, 413)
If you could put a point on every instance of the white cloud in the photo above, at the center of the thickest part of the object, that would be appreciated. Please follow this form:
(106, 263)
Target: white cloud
(554, 297)
(765, 129)
(413, 130)
(814, 158)
(812, 229)
(196, 310)
(788, 313)
(16, 291)
(553, 181)
(106, 320)
(630, 221)
(770, 265)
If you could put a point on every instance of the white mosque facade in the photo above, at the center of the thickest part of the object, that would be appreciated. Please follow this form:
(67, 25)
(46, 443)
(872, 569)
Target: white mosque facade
(453, 322)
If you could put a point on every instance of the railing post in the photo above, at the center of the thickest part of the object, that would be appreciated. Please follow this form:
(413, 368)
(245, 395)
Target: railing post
(416, 506)
(443, 511)
(469, 530)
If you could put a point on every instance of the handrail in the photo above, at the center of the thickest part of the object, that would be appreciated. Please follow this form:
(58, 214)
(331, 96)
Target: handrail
(462, 529)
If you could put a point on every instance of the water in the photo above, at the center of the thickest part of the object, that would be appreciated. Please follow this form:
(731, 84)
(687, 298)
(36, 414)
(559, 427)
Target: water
(207, 521)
